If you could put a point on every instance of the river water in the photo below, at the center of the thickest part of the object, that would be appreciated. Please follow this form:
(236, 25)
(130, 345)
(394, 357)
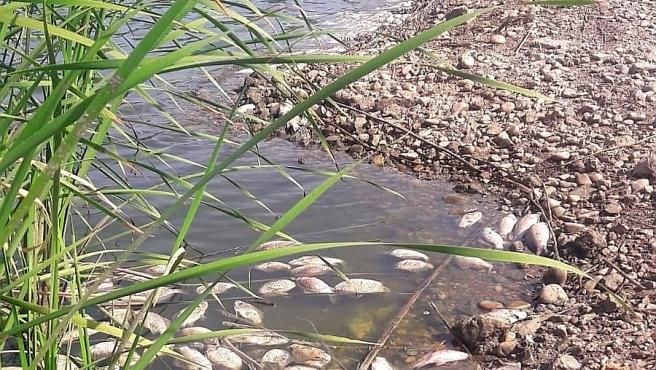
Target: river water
(412, 211)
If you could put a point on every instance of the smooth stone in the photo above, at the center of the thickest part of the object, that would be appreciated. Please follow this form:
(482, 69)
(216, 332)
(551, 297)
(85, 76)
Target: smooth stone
(573, 227)
(553, 294)
(466, 61)
(498, 39)
(490, 305)
(582, 179)
(641, 185)
(560, 156)
(566, 362)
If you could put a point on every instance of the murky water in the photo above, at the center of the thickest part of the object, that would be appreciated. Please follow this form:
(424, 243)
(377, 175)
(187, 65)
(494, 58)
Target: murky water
(351, 210)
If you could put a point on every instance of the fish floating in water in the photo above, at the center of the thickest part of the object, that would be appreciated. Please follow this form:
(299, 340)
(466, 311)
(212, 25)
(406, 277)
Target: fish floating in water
(224, 358)
(249, 312)
(537, 237)
(156, 323)
(506, 225)
(195, 315)
(272, 267)
(472, 263)
(311, 270)
(523, 224)
(439, 358)
(259, 338)
(469, 219)
(315, 260)
(102, 350)
(413, 266)
(198, 330)
(408, 254)
(275, 244)
(276, 359)
(313, 285)
(194, 359)
(360, 286)
(276, 288)
(491, 237)
(300, 367)
(219, 288)
(164, 295)
(381, 363)
(310, 356)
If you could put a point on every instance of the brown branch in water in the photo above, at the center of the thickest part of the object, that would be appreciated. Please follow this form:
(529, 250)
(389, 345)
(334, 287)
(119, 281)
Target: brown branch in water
(401, 315)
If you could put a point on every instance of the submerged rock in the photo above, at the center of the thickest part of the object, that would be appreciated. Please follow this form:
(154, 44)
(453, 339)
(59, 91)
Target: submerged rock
(198, 330)
(469, 219)
(439, 358)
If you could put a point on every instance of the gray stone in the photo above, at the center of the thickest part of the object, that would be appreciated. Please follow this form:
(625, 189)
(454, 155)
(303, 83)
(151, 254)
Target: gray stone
(553, 294)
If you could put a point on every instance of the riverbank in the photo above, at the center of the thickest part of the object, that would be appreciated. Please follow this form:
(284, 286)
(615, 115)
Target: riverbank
(585, 160)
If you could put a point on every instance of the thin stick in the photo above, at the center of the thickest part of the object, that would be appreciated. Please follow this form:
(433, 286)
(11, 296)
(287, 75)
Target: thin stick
(401, 314)
(521, 43)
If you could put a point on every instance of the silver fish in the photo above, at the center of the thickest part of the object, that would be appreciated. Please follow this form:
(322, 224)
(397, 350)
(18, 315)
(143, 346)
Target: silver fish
(276, 287)
(506, 225)
(195, 315)
(405, 254)
(198, 330)
(219, 288)
(249, 312)
(102, 350)
(491, 237)
(310, 356)
(224, 359)
(360, 286)
(381, 363)
(469, 219)
(537, 237)
(275, 244)
(523, 224)
(314, 285)
(276, 359)
(194, 359)
(413, 266)
(439, 358)
(315, 260)
(311, 270)
(156, 270)
(472, 263)
(272, 267)
(262, 338)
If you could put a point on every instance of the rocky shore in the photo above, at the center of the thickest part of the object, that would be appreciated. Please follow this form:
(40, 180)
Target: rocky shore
(585, 159)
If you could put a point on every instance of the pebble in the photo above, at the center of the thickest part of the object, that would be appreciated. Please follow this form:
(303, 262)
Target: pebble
(613, 208)
(537, 237)
(642, 185)
(582, 179)
(573, 227)
(554, 275)
(490, 305)
(466, 61)
(276, 359)
(566, 362)
(560, 156)
(492, 238)
(553, 294)
(508, 107)
(497, 39)
(219, 288)
(469, 219)
(413, 266)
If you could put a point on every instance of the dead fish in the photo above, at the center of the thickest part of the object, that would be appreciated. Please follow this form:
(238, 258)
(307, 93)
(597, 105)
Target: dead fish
(439, 358)
(381, 363)
(165, 295)
(156, 323)
(224, 359)
(469, 219)
(195, 315)
(219, 288)
(360, 286)
(315, 260)
(309, 356)
(102, 350)
(64, 363)
(492, 238)
(276, 287)
(198, 330)
(272, 267)
(156, 270)
(275, 244)
(506, 225)
(120, 315)
(507, 315)
(195, 359)
(261, 338)
(472, 263)
(413, 266)
(311, 270)
(408, 254)
(276, 359)
(537, 237)
(523, 224)
(300, 367)
(314, 285)
(74, 334)
(248, 312)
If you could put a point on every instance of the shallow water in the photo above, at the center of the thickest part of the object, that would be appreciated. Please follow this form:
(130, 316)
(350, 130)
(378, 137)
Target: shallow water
(351, 210)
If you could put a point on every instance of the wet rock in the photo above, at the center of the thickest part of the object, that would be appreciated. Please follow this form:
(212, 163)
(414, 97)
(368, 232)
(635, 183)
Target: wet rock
(482, 333)
(554, 276)
(553, 294)
(469, 219)
(566, 362)
(490, 305)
